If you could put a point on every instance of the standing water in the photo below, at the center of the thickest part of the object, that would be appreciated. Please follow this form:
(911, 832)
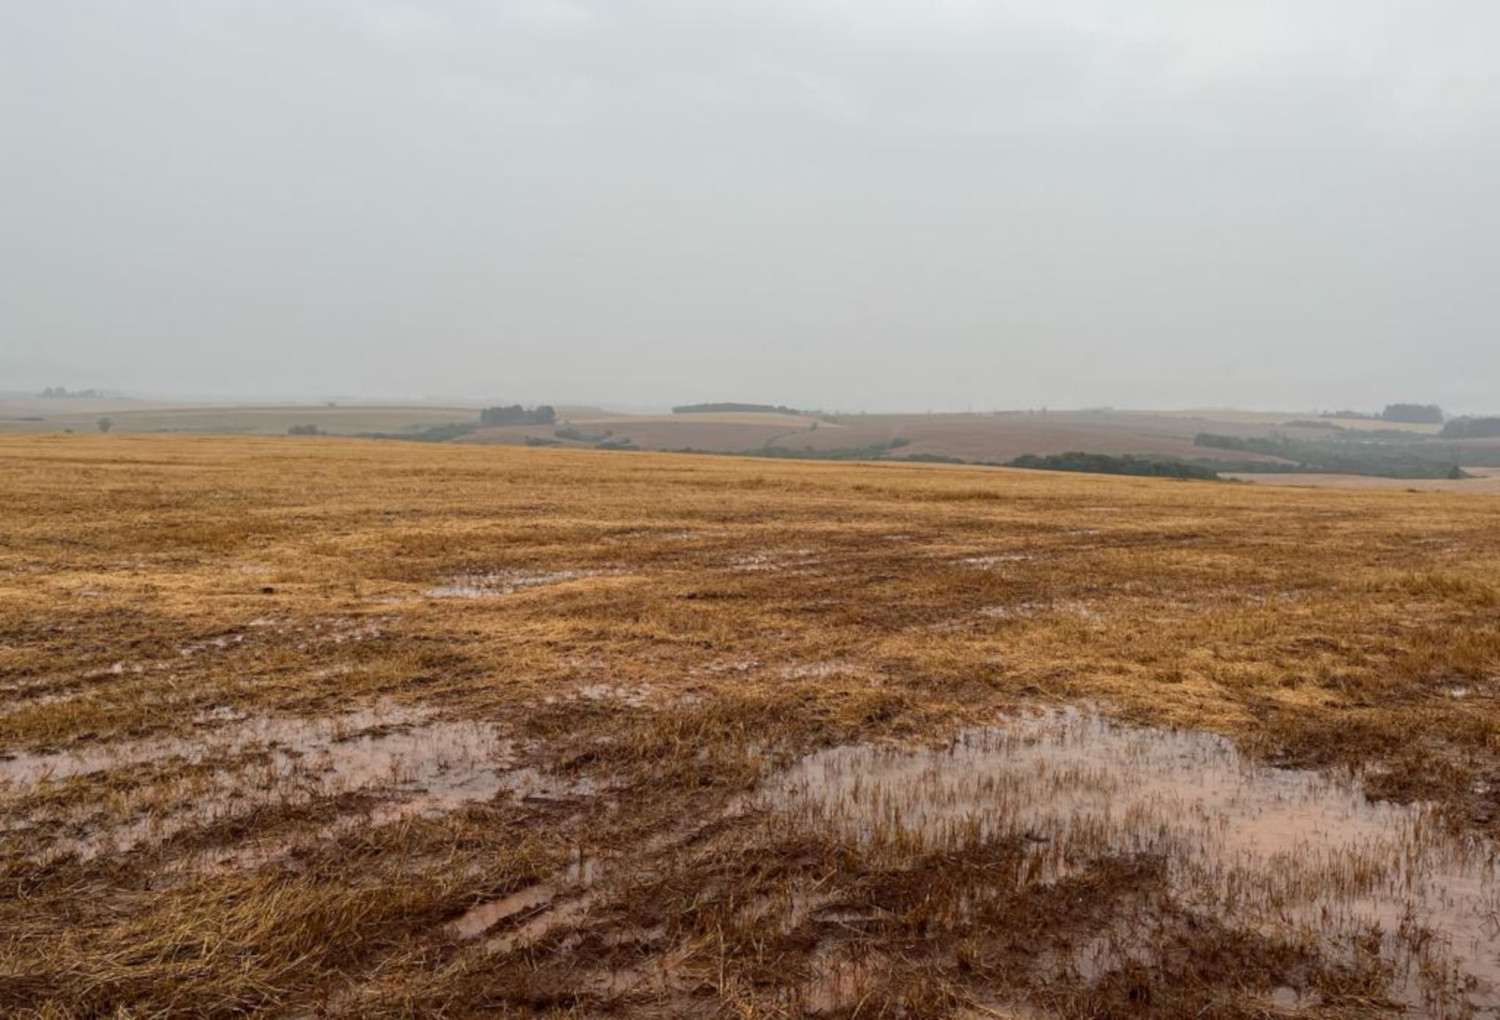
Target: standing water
(1293, 853)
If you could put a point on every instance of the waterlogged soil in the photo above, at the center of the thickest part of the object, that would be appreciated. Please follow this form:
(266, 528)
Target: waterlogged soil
(352, 748)
(1180, 828)
(489, 585)
(1055, 864)
(661, 708)
(1293, 854)
(399, 762)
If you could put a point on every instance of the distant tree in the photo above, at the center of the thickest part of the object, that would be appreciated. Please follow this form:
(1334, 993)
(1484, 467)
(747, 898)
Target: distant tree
(431, 434)
(105, 423)
(1405, 456)
(304, 430)
(1108, 464)
(515, 414)
(1413, 414)
(933, 458)
(726, 407)
(1472, 428)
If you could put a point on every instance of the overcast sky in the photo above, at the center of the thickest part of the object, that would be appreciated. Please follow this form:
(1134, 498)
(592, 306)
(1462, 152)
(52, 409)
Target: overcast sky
(838, 203)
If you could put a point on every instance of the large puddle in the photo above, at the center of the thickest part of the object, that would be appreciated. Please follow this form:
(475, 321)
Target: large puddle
(1296, 854)
(231, 765)
(505, 582)
(345, 750)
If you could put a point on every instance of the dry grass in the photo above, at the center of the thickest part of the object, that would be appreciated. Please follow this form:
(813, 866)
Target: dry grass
(1484, 481)
(237, 675)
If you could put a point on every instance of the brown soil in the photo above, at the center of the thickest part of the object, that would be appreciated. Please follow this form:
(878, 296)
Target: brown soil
(303, 727)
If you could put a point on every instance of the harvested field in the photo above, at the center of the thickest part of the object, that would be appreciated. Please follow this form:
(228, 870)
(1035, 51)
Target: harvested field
(37, 415)
(1484, 480)
(696, 433)
(357, 729)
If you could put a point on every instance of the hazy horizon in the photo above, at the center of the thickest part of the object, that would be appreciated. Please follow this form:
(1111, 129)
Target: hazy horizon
(894, 207)
(313, 400)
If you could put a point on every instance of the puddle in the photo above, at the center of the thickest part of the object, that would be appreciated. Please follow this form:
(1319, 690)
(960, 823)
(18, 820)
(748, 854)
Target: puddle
(1285, 997)
(479, 586)
(752, 563)
(841, 984)
(219, 714)
(415, 764)
(532, 912)
(520, 918)
(1014, 611)
(345, 630)
(349, 750)
(221, 643)
(115, 669)
(353, 631)
(1283, 851)
(1031, 610)
(639, 696)
(558, 914)
(482, 918)
(636, 696)
(990, 562)
(824, 670)
(397, 805)
(533, 785)
(724, 667)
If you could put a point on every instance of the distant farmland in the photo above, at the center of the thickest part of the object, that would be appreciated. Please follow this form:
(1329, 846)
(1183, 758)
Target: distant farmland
(219, 419)
(993, 438)
(1229, 441)
(1484, 480)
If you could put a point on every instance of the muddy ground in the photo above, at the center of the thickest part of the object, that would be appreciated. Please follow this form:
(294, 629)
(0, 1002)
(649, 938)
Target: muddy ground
(337, 728)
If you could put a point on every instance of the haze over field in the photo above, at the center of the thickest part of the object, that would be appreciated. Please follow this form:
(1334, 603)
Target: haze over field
(823, 203)
(698, 508)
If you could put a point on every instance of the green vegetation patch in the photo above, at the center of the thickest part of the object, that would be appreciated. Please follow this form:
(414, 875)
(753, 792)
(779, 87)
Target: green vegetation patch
(1108, 464)
(1419, 458)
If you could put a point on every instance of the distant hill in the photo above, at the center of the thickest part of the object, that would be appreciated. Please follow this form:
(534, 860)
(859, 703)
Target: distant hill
(733, 408)
(974, 438)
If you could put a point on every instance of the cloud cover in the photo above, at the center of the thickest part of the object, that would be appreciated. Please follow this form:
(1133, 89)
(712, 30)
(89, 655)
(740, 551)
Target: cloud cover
(906, 205)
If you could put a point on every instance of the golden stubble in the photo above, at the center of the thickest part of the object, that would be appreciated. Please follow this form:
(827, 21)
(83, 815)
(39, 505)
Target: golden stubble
(279, 712)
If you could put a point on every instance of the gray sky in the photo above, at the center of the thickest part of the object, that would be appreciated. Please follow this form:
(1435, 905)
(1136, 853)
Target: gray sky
(838, 203)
